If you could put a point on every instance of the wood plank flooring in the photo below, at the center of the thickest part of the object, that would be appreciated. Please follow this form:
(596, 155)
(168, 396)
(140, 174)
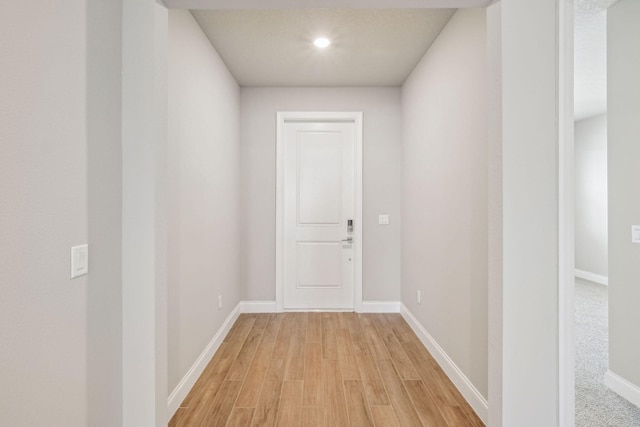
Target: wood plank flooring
(323, 369)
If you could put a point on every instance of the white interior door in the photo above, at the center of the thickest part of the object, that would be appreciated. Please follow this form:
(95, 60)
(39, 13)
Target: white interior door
(319, 201)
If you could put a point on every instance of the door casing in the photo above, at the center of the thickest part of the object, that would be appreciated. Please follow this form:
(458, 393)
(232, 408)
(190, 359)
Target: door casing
(284, 117)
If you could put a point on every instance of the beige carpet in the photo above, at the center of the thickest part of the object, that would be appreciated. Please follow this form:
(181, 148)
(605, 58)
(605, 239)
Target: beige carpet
(596, 405)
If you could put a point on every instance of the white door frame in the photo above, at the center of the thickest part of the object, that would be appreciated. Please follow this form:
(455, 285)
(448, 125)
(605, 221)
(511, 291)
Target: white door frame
(346, 117)
(566, 215)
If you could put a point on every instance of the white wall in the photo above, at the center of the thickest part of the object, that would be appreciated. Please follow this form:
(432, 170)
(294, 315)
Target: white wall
(382, 154)
(144, 211)
(494, 160)
(591, 195)
(203, 187)
(533, 116)
(60, 351)
(444, 206)
(624, 175)
(104, 198)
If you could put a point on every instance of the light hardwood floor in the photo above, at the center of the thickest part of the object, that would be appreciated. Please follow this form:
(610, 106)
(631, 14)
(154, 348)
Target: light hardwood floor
(323, 369)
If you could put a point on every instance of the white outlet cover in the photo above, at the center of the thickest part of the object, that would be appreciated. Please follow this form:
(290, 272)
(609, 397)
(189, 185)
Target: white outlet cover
(383, 219)
(79, 261)
(635, 234)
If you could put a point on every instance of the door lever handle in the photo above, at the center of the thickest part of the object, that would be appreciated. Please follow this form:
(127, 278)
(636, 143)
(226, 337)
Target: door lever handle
(348, 240)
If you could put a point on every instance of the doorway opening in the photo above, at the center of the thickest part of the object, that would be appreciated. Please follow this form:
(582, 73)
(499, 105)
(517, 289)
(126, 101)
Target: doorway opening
(599, 398)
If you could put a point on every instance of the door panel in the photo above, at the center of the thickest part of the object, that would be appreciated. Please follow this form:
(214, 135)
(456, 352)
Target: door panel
(318, 201)
(319, 265)
(319, 178)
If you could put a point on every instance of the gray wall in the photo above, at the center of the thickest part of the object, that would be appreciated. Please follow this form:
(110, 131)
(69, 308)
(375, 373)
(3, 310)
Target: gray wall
(591, 195)
(60, 351)
(624, 175)
(203, 186)
(382, 154)
(445, 193)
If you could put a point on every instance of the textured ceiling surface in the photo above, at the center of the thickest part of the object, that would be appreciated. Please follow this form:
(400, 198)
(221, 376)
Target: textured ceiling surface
(590, 85)
(370, 47)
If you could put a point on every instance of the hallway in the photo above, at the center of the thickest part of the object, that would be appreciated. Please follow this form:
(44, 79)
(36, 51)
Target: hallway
(125, 132)
(317, 369)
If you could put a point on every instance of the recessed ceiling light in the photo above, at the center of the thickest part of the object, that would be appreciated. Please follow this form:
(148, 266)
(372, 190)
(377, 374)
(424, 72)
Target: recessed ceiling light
(321, 42)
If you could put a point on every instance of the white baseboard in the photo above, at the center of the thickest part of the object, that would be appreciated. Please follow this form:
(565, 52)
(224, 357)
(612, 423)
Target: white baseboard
(184, 386)
(380, 307)
(624, 388)
(592, 277)
(258, 306)
(367, 307)
(459, 379)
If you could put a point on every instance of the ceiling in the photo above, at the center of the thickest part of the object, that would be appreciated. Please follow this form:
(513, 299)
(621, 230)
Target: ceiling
(590, 85)
(369, 47)
(320, 4)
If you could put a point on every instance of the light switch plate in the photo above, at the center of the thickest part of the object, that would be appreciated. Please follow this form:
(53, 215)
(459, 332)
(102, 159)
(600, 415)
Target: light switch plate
(383, 219)
(635, 234)
(79, 261)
